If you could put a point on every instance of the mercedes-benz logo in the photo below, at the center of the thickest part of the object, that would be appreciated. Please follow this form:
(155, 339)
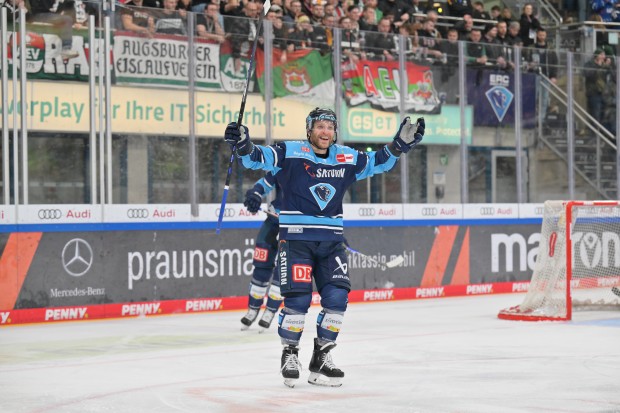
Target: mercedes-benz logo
(77, 257)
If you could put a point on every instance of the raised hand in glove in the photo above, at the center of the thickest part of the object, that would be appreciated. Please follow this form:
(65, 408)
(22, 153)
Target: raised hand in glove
(252, 201)
(238, 137)
(409, 135)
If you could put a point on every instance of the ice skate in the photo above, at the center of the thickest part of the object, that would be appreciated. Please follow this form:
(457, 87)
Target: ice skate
(249, 318)
(323, 371)
(265, 320)
(290, 367)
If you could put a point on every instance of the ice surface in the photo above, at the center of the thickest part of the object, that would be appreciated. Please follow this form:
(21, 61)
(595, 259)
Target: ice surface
(438, 355)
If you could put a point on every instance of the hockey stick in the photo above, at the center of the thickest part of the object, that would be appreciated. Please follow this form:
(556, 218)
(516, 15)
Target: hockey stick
(266, 8)
(390, 264)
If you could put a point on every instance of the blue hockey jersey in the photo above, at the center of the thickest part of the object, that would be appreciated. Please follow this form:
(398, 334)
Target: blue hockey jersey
(313, 187)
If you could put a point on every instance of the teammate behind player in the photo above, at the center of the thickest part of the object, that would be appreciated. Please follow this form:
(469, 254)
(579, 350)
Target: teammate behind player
(314, 176)
(264, 256)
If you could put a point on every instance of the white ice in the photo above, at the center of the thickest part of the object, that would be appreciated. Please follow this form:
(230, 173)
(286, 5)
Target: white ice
(437, 355)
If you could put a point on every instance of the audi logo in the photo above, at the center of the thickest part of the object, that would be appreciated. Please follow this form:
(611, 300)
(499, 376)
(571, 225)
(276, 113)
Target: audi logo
(135, 213)
(366, 212)
(429, 212)
(487, 211)
(539, 210)
(50, 214)
(228, 212)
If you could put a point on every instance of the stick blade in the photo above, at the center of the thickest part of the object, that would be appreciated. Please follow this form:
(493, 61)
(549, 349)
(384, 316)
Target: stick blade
(395, 262)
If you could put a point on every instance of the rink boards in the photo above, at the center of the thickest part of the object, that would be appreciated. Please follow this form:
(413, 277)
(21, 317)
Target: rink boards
(68, 262)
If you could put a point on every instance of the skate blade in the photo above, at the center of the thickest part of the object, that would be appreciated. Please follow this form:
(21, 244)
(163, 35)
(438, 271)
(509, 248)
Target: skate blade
(244, 327)
(321, 380)
(290, 382)
(261, 330)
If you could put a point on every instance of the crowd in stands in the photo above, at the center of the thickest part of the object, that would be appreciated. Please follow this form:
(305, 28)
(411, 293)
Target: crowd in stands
(369, 29)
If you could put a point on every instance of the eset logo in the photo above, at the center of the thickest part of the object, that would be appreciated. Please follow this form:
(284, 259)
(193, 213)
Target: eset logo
(302, 273)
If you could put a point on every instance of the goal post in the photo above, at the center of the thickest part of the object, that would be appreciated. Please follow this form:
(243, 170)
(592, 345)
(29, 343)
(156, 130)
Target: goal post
(578, 262)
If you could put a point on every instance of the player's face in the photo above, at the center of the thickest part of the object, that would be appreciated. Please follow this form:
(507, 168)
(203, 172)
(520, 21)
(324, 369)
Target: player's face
(322, 135)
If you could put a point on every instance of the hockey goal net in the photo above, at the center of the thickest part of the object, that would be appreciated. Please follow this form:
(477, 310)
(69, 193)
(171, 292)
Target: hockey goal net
(578, 262)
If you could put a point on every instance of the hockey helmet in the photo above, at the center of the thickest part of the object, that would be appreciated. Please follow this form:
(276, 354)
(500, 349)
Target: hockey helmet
(321, 114)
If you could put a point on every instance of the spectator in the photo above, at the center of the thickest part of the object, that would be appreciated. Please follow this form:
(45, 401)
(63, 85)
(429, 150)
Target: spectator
(317, 12)
(354, 13)
(400, 9)
(513, 34)
(540, 59)
(350, 44)
(450, 64)
(464, 27)
(496, 11)
(280, 32)
(208, 26)
(459, 8)
(337, 8)
(596, 73)
(429, 39)
(185, 5)
(382, 44)
(301, 38)
(412, 45)
(434, 17)
(170, 21)
(504, 41)
(493, 48)
(529, 25)
(476, 53)
(291, 14)
(329, 22)
(415, 8)
(506, 15)
(136, 17)
(241, 28)
(602, 36)
(479, 12)
(375, 5)
(367, 22)
(41, 11)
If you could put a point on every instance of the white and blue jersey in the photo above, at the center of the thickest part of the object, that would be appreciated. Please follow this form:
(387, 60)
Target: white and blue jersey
(313, 187)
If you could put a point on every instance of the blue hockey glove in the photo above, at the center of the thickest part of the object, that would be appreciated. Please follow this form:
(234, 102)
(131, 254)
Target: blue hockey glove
(252, 201)
(409, 135)
(238, 137)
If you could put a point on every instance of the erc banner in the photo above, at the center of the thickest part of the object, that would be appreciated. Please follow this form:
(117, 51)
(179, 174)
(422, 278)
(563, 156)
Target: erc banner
(378, 84)
(55, 269)
(492, 96)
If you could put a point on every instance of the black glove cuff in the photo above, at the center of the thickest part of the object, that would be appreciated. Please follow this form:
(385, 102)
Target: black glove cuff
(246, 149)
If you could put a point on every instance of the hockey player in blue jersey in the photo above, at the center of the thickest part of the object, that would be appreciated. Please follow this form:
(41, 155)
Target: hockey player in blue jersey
(314, 176)
(265, 250)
